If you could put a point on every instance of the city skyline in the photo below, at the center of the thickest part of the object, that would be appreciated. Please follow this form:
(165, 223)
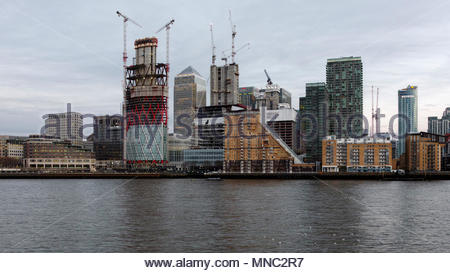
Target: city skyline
(82, 64)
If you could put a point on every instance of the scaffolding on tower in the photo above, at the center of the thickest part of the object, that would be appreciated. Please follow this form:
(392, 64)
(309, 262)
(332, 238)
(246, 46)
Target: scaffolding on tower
(147, 111)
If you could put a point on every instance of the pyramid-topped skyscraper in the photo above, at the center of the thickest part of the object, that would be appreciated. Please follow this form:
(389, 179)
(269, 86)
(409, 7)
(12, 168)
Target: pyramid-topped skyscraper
(189, 95)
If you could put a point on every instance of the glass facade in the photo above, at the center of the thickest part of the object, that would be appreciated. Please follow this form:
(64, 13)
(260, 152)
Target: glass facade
(345, 96)
(189, 94)
(440, 126)
(407, 110)
(147, 143)
(146, 104)
(285, 97)
(247, 96)
(108, 138)
(313, 107)
(204, 157)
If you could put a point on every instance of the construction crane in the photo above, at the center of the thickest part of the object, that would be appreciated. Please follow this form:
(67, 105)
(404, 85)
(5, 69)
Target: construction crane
(373, 117)
(225, 57)
(233, 36)
(213, 46)
(269, 81)
(375, 113)
(167, 28)
(125, 20)
(125, 57)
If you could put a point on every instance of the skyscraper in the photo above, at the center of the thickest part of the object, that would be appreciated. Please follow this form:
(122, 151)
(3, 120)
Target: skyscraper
(345, 96)
(247, 96)
(146, 108)
(273, 97)
(407, 110)
(65, 126)
(108, 140)
(224, 84)
(313, 107)
(189, 95)
(285, 97)
(440, 126)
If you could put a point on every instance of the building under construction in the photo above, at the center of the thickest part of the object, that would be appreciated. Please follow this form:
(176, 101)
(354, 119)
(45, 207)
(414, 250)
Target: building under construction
(224, 82)
(251, 146)
(146, 108)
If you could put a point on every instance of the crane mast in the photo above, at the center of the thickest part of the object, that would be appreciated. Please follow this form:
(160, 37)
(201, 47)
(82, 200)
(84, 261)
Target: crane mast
(375, 128)
(125, 20)
(124, 85)
(233, 36)
(167, 28)
(225, 57)
(373, 117)
(213, 46)
(377, 113)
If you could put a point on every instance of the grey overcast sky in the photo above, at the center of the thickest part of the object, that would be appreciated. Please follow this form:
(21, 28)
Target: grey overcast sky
(56, 52)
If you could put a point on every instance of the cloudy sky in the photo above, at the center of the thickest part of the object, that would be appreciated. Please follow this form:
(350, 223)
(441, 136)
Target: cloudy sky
(58, 52)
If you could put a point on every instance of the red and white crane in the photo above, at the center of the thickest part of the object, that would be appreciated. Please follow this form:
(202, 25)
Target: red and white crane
(125, 21)
(125, 57)
(167, 28)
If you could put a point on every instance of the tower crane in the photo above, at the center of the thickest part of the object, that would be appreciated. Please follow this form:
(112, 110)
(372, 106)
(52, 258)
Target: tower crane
(213, 46)
(233, 36)
(225, 57)
(167, 28)
(125, 20)
(375, 113)
(373, 117)
(125, 57)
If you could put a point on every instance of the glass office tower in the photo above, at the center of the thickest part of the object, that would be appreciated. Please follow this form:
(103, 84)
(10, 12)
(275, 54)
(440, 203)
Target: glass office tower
(407, 110)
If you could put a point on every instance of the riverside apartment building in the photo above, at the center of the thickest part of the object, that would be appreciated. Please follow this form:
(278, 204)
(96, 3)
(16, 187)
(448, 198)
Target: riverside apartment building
(356, 154)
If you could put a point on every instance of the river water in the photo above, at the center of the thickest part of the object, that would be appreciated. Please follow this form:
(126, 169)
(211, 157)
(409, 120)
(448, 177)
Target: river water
(197, 215)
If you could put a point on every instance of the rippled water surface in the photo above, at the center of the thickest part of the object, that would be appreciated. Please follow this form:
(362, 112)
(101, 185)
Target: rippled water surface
(197, 215)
